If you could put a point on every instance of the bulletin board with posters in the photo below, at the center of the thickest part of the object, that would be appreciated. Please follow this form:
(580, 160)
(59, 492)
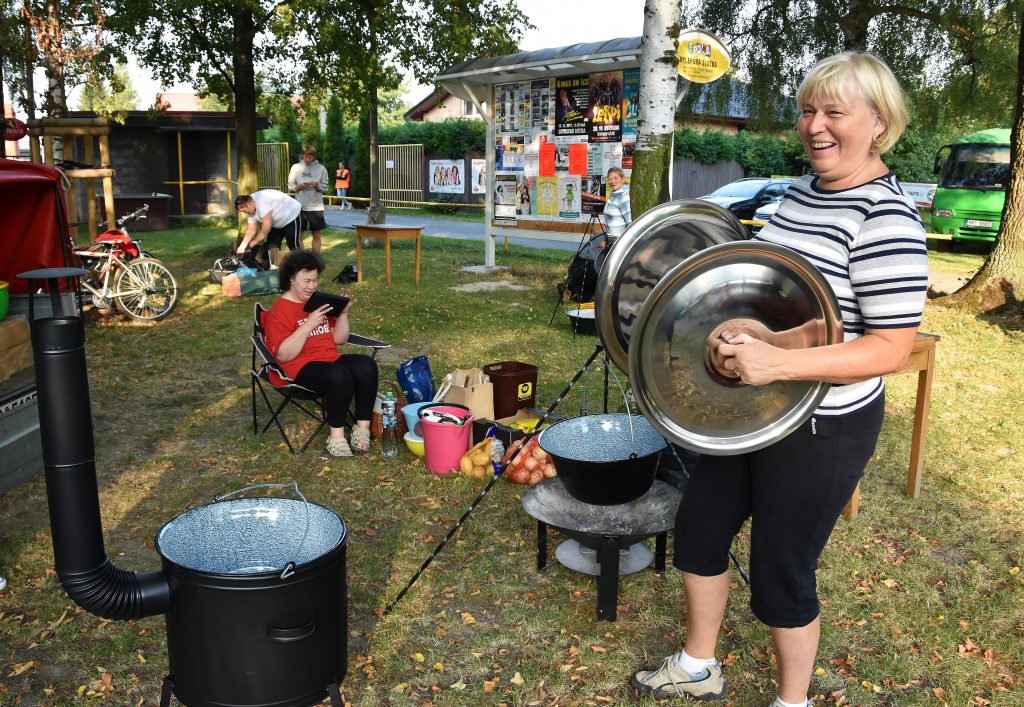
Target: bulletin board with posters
(554, 141)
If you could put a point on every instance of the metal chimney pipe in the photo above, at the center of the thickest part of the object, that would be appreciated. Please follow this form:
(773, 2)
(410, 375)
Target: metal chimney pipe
(65, 424)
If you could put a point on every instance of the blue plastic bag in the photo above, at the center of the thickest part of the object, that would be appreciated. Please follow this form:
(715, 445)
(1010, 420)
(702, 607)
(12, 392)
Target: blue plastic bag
(416, 381)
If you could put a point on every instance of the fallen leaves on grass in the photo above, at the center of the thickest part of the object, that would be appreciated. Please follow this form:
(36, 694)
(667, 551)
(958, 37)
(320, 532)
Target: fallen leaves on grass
(20, 668)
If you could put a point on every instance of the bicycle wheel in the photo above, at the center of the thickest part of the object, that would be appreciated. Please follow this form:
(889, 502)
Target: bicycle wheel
(146, 290)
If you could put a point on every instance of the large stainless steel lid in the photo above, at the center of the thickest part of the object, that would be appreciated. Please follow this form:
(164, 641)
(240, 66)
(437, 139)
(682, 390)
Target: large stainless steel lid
(656, 242)
(676, 383)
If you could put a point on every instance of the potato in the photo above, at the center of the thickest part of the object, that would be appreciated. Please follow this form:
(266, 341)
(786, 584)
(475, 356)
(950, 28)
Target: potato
(466, 465)
(479, 457)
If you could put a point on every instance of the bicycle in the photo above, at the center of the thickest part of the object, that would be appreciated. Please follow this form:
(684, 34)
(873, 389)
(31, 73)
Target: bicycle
(122, 275)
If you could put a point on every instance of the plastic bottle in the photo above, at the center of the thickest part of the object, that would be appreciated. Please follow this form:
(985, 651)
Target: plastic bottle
(389, 428)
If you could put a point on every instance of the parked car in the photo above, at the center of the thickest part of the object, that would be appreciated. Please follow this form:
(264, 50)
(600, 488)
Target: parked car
(745, 196)
(765, 214)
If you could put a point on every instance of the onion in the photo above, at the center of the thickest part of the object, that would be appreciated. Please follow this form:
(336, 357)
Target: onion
(530, 464)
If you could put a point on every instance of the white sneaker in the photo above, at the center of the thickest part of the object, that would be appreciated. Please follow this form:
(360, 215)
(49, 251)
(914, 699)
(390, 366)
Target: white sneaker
(777, 703)
(670, 680)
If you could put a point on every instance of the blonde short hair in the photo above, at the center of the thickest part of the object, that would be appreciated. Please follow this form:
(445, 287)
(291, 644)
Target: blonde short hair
(837, 74)
(309, 150)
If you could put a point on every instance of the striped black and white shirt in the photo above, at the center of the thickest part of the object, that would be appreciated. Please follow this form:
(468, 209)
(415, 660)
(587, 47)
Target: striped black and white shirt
(869, 243)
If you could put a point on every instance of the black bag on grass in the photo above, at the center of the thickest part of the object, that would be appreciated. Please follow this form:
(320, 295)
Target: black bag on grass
(224, 266)
(581, 280)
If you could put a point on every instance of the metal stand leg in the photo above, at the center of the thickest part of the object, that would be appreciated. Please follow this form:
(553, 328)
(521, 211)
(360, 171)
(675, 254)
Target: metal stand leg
(660, 545)
(335, 693)
(542, 545)
(165, 692)
(608, 580)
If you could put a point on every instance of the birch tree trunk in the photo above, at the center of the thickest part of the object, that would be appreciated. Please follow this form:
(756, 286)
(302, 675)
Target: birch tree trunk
(1001, 279)
(649, 182)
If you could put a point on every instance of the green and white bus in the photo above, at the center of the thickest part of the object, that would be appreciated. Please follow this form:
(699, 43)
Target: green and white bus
(968, 202)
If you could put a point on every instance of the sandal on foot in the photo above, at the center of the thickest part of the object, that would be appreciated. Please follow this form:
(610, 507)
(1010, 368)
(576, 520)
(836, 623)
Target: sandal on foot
(360, 439)
(338, 447)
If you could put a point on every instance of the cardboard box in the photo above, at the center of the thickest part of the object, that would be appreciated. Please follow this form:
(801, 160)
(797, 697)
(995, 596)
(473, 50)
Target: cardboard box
(15, 347)
(13, 331)
(504, 431)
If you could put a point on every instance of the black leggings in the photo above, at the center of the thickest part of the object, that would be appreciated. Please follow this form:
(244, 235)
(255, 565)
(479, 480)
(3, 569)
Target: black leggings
(351, 374)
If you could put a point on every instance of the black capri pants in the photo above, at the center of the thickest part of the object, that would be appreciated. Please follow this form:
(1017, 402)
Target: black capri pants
(793, 492)
(351, 375)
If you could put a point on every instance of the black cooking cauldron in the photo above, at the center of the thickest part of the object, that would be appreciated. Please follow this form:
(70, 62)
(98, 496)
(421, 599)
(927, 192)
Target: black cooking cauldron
(604, 459)
(258, 610)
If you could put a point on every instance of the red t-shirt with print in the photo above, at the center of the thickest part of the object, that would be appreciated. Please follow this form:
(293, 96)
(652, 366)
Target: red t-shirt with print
(281, 320)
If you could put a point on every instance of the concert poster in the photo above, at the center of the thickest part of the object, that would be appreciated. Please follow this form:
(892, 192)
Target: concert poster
(571, 97)
(604, 107)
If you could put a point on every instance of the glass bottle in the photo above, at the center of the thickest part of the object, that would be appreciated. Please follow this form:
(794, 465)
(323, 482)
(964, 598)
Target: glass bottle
(389, 428)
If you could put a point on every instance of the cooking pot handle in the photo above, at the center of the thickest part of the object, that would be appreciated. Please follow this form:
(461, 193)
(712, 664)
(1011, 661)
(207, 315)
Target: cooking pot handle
(629, 414)
(287, 635)
(289, 569)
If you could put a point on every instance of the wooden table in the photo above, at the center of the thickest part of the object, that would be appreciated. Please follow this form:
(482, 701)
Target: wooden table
(922, 360)
(388, 233)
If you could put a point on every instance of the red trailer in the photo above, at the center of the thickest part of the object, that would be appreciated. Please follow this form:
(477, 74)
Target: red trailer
(34, 235)
(35, 230)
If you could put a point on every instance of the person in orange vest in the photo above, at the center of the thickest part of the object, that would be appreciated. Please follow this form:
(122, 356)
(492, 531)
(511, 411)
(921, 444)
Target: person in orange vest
(343, 178)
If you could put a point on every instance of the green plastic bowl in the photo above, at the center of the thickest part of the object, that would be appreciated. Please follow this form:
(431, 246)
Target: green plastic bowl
(5, 299)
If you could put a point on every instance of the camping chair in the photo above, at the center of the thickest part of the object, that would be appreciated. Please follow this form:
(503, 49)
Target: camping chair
(309, 402)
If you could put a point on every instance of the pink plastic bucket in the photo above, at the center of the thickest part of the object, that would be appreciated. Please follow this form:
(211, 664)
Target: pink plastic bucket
(445, 442)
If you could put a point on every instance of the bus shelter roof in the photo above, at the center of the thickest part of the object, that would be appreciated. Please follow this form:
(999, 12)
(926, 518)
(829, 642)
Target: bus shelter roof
(469, 79)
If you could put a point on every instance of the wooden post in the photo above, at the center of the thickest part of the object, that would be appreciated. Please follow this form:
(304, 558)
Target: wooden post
(181, 183)
(90, 190)
(231, 201)
(72, 196)
(108, 184)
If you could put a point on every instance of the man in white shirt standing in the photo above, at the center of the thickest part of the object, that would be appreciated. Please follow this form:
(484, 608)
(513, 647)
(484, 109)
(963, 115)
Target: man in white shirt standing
(308, 179)
(278, 216)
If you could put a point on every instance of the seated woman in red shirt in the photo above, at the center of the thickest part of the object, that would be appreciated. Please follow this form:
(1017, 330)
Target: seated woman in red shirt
(306, 345)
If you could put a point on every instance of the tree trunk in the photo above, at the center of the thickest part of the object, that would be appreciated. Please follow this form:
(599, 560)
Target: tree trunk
(56, 97)
(30, 83)
(375, 211)
(3, 111)
(1001, 279)
(245, 105)
(649, 182)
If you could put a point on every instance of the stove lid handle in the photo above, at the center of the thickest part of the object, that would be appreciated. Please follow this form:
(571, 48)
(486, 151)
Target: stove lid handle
(289, 569)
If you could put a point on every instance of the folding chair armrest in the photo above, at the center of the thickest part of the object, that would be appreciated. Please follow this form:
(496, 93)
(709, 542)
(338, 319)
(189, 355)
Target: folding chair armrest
(269, 362)
(366, 341)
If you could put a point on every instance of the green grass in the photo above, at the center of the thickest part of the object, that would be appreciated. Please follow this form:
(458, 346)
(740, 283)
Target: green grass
(460, 213)
(921, 594)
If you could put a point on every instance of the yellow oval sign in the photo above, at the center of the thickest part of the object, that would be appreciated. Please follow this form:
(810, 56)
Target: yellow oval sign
(702, 57)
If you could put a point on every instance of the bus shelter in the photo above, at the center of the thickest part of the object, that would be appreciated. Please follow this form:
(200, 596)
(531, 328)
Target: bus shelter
(557, 120)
